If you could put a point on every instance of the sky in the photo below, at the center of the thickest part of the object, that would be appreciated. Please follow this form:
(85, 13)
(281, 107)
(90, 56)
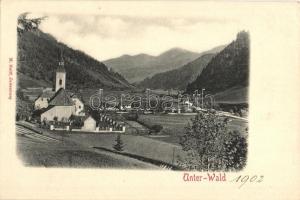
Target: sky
(105, 36)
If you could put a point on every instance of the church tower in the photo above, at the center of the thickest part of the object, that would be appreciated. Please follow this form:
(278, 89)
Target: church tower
(60, 76)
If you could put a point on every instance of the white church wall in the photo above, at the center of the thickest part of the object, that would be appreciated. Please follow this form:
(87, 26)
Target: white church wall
(61, 112)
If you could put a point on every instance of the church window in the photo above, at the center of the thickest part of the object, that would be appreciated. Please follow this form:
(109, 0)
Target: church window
(60, 82)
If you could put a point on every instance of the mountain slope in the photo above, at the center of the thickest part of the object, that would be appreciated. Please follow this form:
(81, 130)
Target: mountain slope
(38, 57)
(137, 68)
(234, 95)
(177, 78)
(228, 69)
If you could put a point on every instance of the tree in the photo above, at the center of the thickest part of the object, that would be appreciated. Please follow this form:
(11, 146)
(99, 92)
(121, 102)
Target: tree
(119, 146)
(55, 118)
(20, 94)
(235, 154)
(24, 107)
(209, 146)
(27, 24)
(17, 117)
(132, 116)
(157, 128)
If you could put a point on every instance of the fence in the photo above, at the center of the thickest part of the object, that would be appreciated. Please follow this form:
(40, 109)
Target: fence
(97, 130)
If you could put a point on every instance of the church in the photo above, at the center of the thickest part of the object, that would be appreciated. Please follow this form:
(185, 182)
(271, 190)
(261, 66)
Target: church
(58, 104)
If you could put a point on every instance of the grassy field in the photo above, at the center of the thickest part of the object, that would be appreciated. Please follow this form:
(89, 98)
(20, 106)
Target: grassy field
(133, 127)
(164, 146)
(75, 150)
(239, 125)
(174, 125)
(234, 95)
(65, 153)
(134, 144)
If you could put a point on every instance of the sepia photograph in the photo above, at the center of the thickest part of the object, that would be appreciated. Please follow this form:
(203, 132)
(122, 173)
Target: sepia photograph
(178, 106)
(149, 100)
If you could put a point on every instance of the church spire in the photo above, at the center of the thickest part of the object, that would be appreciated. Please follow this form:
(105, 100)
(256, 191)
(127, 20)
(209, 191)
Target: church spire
(60, 74)
(61, 63)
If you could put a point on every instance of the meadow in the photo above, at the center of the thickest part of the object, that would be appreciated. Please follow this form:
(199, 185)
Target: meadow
(163, 146)
(65, 153)
(133, 144)
(77, 148)
(174, 125)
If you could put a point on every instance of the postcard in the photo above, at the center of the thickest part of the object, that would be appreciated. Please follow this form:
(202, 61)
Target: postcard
(150, 100)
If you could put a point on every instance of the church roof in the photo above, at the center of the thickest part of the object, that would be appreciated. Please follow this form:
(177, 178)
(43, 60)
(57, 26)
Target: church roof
(89, 117)
(43, 110)
(61, 98)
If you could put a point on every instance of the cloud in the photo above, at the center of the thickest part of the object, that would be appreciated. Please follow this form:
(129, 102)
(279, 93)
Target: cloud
(108, 36)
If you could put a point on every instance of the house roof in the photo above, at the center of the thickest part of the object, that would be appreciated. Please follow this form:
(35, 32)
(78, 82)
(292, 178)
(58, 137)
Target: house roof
(69, 93)
(73, 95)
(89, 117)
(61, 98)
(45, 94)
(43, 110)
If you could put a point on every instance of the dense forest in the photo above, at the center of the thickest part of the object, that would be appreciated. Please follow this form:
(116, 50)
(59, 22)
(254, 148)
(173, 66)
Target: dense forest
(38, 57)
(177, 78)
(228, 69)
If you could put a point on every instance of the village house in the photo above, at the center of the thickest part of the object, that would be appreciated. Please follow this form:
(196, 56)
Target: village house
(60, 107)
(58, 104)
(43, 99)
(79, 106)
(89, 124)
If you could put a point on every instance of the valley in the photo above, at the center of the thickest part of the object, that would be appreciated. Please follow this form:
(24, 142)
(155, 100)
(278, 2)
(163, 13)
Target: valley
(139, 111)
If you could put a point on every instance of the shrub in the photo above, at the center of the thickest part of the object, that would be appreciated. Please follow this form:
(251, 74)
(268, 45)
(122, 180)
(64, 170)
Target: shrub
(209, 146)
(132, 116)
(55, 119)
(235, 153)
(76, 122)
(119, 146)
(157, 128)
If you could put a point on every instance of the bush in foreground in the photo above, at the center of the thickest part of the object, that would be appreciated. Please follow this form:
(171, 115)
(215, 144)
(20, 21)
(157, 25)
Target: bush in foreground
(210, 147)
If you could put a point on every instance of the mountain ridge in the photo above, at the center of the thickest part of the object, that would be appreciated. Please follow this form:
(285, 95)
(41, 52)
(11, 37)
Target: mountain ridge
(177, 78)
(137, 67)
(180, 77)
(38, 57)
(228, 69)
